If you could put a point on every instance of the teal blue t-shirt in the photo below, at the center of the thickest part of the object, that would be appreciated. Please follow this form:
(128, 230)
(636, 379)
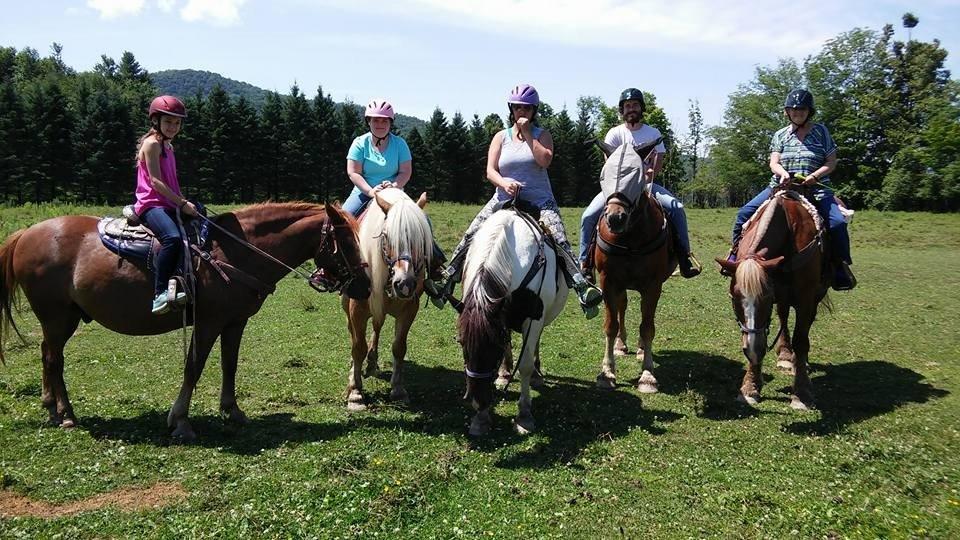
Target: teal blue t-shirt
(379, 167)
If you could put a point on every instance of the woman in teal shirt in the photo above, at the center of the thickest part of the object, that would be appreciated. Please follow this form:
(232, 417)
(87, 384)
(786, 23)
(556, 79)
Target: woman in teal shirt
(376, 159)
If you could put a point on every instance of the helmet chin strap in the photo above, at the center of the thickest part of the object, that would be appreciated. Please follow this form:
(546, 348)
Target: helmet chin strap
(378, 140)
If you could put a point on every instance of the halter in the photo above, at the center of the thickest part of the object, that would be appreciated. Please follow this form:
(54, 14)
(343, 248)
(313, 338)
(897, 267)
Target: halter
(391, 261)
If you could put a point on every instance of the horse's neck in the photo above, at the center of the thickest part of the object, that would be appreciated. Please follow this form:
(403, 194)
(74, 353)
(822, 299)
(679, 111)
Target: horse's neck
(771, 232)
(291, 238)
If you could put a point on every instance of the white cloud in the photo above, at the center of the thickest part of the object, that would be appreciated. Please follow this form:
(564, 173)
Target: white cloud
(166, 6)
(113, 9)
(219, 12)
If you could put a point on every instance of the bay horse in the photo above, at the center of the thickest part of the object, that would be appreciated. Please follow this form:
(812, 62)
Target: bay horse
(779, 262)
(396, 243)
(67, 275)
(511, 281)
(633, 251)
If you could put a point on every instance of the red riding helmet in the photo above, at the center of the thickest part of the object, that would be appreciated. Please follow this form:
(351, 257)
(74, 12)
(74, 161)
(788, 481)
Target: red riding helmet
(167, 105)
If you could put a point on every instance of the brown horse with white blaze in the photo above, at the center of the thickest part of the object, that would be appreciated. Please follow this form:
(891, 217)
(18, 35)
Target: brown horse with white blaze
(67, 275)
(633, 251)
(779, 262)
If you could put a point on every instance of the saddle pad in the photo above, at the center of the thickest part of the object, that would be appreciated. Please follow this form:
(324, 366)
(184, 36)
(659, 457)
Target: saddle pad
(121, 228)
(132, 246)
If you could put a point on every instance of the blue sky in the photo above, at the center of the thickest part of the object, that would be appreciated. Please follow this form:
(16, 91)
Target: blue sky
(466, 55)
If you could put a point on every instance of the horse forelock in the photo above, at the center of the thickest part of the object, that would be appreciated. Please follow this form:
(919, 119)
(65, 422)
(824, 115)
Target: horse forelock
(751, 279)
(408, 231)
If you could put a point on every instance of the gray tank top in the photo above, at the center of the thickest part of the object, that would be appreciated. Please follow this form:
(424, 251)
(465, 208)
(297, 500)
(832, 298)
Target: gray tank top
(517, 163)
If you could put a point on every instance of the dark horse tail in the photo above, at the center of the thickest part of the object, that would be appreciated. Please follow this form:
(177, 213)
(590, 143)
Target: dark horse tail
(8, 290)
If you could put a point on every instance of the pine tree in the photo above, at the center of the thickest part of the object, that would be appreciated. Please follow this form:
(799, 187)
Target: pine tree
(422, 164)
(435, 138)
(458, 156)
(247, 148)
(476, 186)
(50, 125)
(562, 176)
(13, 150)
(217, 166)
(329, 178)
(272, 130)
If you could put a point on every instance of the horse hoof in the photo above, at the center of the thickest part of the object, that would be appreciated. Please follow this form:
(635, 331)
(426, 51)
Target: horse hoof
(501, 383)
(68, 423)
(798, 404)
(785, 366)
(647, 388)
(537, 381)
(523, 426)
(606, 382)
(748, 399)
(372, 370)
(234, 416)
(399, 394)
(184, 434)
(480, 424)
(620, 351)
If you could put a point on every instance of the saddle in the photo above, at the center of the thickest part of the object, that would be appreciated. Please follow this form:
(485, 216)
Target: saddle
(130, 238)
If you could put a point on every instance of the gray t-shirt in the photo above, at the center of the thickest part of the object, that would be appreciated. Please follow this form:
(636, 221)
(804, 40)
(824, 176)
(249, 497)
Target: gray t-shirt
(517, 163)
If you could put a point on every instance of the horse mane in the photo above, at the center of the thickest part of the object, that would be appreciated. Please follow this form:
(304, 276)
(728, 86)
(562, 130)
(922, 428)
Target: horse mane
(487, 276)
(407, 231)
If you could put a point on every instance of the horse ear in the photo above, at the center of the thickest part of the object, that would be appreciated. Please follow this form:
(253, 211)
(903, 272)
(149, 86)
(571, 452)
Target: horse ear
(730, 267)
(772, 263)
(604, 147)
(422, 201)
(382, 203)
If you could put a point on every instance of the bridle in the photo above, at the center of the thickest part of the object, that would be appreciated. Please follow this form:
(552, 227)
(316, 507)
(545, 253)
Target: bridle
(418, 266)
(320, 280)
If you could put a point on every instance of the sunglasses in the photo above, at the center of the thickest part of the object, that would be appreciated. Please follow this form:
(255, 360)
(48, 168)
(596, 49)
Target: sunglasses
(518, 107)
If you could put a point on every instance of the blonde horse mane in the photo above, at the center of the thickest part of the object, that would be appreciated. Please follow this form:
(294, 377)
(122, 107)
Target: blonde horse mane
(407, 231)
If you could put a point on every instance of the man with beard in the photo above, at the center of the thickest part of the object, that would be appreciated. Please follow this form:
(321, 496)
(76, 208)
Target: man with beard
(633, 130)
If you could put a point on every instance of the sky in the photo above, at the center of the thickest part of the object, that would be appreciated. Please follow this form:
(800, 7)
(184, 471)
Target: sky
(466, 56)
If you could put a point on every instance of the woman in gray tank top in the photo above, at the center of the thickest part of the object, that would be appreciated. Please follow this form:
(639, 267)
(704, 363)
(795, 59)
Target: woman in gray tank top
(517, 162)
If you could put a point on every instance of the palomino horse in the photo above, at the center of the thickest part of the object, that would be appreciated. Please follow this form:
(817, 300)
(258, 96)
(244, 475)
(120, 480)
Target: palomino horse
(779, 261)
(633, 251)
(396, 244)
(510, 281)
(67, 275)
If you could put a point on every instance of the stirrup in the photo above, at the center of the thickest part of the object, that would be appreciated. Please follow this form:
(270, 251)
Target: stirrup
(731, 257)
(589, 295)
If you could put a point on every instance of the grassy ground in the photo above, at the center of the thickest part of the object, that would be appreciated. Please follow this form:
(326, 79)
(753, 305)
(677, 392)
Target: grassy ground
(878, 458)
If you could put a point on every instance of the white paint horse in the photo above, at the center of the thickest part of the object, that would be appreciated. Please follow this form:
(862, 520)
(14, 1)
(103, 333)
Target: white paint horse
(511, 282)
(396, 244)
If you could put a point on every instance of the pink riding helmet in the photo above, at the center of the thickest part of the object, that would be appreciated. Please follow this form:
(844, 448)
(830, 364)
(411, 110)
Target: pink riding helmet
(524, 94)
(379, 108)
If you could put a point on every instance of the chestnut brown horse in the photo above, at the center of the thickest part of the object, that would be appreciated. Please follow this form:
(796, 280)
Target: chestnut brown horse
(633, 251)
(67, 275)
(779, 262)
(396, 243)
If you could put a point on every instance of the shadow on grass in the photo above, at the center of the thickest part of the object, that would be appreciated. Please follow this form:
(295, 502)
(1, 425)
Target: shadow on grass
(260, 433)
(710, 382)
(856, 391)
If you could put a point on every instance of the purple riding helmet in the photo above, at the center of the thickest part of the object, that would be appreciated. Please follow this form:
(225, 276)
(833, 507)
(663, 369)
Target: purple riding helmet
(524, 94)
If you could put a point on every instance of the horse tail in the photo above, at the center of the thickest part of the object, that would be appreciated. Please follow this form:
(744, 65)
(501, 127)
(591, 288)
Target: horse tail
(488, 273)
(751, 278)
(8, 290)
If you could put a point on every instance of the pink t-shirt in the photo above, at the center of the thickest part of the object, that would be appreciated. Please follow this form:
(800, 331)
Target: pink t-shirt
(147, 197)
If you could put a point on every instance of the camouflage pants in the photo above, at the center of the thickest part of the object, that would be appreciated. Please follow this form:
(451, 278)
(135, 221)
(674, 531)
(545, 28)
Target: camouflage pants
(549, 216)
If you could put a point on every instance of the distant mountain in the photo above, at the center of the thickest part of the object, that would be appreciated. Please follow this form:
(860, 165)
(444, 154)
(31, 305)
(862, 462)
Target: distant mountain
(186, 82)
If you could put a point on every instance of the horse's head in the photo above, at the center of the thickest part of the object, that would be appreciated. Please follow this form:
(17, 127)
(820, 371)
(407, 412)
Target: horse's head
(751, 292)
(406, 244)
(624, 181)
(620, 211)
(339, 263)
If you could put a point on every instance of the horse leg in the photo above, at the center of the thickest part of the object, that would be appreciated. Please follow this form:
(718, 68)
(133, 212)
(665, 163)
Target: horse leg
(177, 419)
(648, 309)
(785, 354)
(536, 379)
(620, 346)
(524, 423)
(56, 332)
(802, 398)
(373, 351)
(400, 333)
(357, 318)
(229, 354)
(614, 302)
(506, 366)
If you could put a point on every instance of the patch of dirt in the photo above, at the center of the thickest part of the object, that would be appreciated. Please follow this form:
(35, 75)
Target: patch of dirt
(127, 499)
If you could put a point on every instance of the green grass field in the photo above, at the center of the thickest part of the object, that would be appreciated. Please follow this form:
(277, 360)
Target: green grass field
(880, 457)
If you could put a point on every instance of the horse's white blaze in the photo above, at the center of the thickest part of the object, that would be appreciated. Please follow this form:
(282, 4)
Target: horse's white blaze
(752, 339)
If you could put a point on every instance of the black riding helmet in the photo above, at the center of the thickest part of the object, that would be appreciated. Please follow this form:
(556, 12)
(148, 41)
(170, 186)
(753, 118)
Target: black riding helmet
(800, 98)
(629, 94)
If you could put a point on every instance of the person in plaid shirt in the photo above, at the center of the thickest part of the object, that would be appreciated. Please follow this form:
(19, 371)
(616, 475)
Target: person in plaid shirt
(805, 149)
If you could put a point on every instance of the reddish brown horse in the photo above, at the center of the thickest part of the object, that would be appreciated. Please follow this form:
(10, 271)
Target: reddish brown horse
(633, 251)
(68, 275)
(779, 261)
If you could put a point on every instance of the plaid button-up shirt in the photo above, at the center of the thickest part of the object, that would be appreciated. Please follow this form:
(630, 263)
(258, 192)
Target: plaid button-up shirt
(804, 156)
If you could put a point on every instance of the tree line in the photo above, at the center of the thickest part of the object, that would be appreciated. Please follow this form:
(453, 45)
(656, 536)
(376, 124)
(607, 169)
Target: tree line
(891, 106)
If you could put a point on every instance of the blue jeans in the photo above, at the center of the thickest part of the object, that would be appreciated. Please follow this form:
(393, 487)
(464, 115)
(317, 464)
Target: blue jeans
(671, 205)
(163, 223)
(828, 209)
(355, 202)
